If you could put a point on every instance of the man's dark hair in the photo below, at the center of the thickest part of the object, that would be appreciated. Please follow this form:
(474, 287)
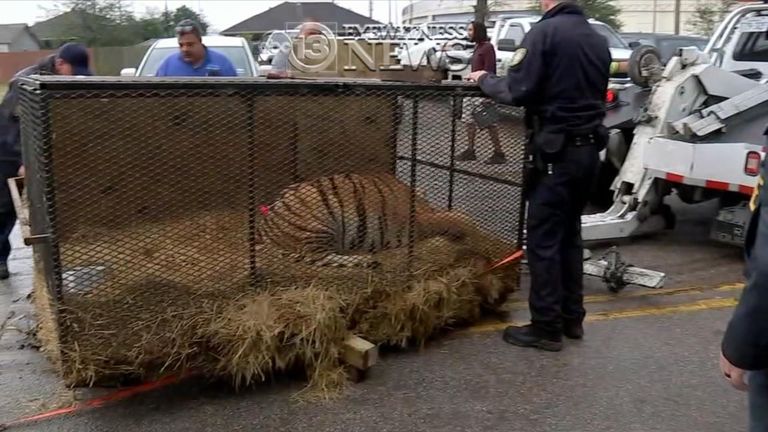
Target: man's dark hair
(189, 26)
(481, 32)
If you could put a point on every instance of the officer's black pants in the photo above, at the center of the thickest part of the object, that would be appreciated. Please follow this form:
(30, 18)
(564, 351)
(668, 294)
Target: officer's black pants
(554, 248)
(8, 169)
(7, 222)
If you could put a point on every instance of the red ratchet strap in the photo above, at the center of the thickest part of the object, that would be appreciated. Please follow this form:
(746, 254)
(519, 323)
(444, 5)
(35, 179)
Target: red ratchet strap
(505, 261)
(99, 401)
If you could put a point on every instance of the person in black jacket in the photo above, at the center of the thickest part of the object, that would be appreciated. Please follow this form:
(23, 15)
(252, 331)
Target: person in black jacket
(70, 59)
(560, 75)
(744, 349)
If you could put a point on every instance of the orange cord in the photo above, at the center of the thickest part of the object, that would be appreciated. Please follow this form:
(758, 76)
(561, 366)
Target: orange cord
(505, 261)
(99, 401)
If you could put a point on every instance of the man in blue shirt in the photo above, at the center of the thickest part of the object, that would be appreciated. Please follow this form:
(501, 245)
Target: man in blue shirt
(194, 58)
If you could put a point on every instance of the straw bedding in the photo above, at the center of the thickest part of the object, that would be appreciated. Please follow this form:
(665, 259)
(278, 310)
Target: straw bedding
(295, 318)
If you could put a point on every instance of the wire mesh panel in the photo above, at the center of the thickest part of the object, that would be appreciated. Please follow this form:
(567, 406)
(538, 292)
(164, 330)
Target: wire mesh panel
(153, 195)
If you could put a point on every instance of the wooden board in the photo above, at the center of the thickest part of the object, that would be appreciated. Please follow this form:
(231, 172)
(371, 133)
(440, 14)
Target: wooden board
(359, 353)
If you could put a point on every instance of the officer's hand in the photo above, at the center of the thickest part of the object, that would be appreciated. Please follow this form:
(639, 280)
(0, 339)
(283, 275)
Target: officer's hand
(21, 171)
(475, 76)
(733, 374)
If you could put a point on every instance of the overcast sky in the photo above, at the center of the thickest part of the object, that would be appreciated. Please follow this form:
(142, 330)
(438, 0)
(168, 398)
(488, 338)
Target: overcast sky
(220, 13)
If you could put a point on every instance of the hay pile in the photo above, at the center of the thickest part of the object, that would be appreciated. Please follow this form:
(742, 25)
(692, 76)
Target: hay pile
(297, 318)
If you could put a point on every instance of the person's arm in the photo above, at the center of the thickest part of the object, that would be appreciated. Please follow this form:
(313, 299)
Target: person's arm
(489, 60)
(8, 120)
(522, 83)
(745, 343)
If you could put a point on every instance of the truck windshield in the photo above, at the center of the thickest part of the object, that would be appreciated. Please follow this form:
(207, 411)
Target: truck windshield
(752, 47)
(237, 55)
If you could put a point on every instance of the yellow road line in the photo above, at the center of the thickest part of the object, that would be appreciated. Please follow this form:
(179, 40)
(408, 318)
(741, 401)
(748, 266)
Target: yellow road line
(700, 305)
(599, 298)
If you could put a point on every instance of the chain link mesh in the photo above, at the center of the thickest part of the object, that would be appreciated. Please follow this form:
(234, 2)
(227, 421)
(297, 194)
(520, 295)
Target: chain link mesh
(152, 186)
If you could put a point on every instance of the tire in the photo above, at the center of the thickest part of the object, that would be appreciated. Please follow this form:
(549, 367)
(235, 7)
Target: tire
(644, 56)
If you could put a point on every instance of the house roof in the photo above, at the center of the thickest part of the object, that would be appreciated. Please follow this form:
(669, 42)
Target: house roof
(277, 17)
(9, 32)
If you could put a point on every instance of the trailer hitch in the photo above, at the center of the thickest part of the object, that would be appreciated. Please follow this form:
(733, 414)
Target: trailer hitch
(613, 276)
(617, 273)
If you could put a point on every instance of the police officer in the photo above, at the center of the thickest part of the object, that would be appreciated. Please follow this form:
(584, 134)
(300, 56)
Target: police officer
(70, 59)
(560, 75)
(744, 350)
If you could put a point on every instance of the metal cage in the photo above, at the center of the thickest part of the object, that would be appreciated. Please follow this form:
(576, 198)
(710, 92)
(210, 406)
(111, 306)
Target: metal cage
(134, 181)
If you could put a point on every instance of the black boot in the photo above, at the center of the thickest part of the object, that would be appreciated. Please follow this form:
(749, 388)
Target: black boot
(573, 329)
(466, 155)
(497, 158)
(531, 337)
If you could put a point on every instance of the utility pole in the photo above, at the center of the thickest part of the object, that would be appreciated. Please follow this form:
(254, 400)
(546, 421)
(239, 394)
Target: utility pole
(370, 9)
(481, 10)
(677, 17)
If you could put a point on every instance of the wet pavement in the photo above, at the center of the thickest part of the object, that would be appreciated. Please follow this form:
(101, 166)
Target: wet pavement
(648, 363)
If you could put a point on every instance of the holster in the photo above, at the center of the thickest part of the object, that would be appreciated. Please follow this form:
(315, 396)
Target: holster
(545, 144)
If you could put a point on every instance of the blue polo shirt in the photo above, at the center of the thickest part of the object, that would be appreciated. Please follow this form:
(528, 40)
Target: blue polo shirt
(215, 64)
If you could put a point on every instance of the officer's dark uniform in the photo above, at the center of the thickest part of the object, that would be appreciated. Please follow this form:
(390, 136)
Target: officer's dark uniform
(745, 343)
(560, 75)
(10, 154)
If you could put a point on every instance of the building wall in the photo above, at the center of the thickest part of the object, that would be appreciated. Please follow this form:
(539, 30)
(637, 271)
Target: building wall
(637, 15)
(5, 48)
(24, 42)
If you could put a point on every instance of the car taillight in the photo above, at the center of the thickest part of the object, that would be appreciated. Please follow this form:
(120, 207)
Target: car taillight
(752, 165)
(611, 96)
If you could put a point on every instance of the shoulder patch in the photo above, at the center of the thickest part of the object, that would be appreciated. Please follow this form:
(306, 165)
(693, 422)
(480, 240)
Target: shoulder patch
(519, 56)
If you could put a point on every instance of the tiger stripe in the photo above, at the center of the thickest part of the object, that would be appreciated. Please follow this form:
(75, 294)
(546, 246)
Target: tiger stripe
(324, 220)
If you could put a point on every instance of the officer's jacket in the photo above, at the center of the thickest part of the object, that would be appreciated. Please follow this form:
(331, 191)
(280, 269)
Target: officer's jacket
(745, 343)
(560, 72)
(10, 145)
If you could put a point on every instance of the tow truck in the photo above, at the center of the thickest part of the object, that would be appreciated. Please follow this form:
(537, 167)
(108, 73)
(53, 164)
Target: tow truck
(700, 124)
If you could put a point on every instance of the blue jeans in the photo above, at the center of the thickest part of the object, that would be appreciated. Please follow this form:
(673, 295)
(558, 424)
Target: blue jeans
(758, 401)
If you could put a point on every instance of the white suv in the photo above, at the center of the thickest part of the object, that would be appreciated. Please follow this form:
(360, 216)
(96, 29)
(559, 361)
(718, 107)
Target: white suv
(237, 50)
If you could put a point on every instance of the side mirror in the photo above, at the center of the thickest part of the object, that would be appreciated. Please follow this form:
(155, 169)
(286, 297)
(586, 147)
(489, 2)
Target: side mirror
(126, 72)
(507, 45)
(634, 44)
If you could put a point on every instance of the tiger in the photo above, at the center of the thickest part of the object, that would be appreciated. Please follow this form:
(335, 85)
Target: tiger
(340, 220)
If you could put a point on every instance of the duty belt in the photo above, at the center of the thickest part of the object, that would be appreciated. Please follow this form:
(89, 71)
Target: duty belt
(582, 140)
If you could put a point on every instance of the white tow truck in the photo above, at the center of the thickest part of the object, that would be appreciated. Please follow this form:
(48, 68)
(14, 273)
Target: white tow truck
(699, 132)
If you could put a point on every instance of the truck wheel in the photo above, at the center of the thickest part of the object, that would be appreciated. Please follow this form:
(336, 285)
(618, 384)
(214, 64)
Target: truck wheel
(644, 65)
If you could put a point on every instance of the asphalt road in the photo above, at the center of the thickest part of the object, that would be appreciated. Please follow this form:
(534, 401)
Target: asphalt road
(648, 363)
